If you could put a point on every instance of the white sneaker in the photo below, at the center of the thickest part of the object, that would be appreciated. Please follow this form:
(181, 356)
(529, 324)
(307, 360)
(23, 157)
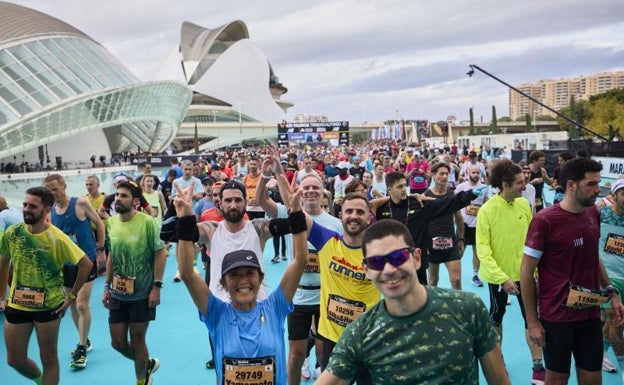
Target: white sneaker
(607, 365)
(317, 372)
(305, 370)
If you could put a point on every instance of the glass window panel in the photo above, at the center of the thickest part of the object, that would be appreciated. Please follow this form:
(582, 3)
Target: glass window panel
(3, 118)
(64, 77)
(15, 96)
(20, 52)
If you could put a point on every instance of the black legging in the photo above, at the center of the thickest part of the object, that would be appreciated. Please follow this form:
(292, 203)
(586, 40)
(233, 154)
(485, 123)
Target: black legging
(276, 244)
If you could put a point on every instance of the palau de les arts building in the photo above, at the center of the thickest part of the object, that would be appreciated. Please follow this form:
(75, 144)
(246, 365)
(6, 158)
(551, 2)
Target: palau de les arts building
(64, 93)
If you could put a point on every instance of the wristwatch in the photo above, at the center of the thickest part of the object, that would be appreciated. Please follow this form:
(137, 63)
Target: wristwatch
(610, 289)
(72, 297)
(101, 248)
(158, 283)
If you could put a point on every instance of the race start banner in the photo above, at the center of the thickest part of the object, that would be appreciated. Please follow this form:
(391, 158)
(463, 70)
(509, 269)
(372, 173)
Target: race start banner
(313, 133)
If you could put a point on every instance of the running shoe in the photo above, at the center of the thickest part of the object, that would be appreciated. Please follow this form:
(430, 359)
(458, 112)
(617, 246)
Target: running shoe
(152, 367)
(89, 347)
(607, 365)
(317, 372)
(210, 364)
(176, 277)
(476, 281)
(276, 259)
(284, 258)
(305, 370)
(79, 358)
(539, 376)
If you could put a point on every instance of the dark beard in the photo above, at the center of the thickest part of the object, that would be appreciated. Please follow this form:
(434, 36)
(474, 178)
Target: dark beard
(121, 209)
(31, 219)
(234, 216)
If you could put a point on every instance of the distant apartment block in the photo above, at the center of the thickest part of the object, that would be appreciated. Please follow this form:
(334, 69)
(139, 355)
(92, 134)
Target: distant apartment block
(557, 93)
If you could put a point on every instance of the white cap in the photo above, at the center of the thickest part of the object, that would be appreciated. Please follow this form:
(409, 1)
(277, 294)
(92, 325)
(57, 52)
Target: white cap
(344, 164)
(617, 185)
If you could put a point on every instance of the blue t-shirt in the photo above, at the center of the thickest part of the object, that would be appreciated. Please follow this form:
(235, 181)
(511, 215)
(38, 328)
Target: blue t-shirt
(249, 334)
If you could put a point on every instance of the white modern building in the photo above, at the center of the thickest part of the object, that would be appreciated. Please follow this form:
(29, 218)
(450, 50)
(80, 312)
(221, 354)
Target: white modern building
(62, 94)
(231, 78)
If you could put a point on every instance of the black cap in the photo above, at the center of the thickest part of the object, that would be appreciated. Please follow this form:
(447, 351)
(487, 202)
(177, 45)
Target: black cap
(239, 258)
(234, 185)
(208, 179)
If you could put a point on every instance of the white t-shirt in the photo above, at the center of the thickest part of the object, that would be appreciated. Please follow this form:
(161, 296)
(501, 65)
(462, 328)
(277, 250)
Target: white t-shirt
(470, 212)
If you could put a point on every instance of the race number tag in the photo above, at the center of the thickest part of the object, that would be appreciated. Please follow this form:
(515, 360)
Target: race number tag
(249, 371)
(343, 311)
(32, 297)
(123, 285)
(615, 244)
(442, 243)
(582, 298)
(312, 266)
(472, 210)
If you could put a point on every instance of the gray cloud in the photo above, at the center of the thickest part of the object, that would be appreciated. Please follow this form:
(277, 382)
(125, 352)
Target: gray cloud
(366, 59)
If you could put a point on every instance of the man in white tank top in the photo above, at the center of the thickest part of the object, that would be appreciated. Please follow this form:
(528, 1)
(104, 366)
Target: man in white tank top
(233, 233)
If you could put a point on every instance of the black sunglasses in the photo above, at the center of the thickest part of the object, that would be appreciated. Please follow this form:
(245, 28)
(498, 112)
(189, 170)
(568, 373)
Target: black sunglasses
(395, 258)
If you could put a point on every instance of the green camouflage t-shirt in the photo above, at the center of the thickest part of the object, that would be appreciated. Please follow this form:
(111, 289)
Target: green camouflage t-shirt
(440, 344)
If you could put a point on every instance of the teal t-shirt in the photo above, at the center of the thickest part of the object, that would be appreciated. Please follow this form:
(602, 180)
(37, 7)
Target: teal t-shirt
(133, 247)
(611, 246)
(439, 344)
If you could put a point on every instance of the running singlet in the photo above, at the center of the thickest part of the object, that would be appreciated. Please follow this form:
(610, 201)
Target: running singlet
(37, 261)
(78, 231)
(133, 246)
(346, 292)
(224, 242)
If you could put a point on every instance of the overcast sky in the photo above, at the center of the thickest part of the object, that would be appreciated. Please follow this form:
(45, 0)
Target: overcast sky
(364, 60)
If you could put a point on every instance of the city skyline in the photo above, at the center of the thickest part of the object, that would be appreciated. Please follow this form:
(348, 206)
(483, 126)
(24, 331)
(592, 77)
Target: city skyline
(374, 60)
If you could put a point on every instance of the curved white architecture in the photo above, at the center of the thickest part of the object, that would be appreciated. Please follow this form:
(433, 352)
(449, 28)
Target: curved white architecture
(61, 88)
(225, 65)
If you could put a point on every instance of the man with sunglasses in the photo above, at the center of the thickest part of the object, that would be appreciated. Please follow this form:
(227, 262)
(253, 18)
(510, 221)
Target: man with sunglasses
(449, 328)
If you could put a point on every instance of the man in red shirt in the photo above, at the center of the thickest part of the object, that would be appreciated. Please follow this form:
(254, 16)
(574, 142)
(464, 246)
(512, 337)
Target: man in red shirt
(562, 243)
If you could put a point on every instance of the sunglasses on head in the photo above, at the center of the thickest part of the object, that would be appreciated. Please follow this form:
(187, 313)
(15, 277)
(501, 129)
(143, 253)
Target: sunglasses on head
(395, 258)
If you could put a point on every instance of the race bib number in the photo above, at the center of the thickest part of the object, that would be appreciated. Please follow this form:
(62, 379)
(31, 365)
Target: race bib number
(123, 285)
(583, 298)
(419, 179)
(343, 311)
(442, 243)
(31, 297)
(615, 244)
(312, 266)
(249, 371)
(538, 202)
(472, 210)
